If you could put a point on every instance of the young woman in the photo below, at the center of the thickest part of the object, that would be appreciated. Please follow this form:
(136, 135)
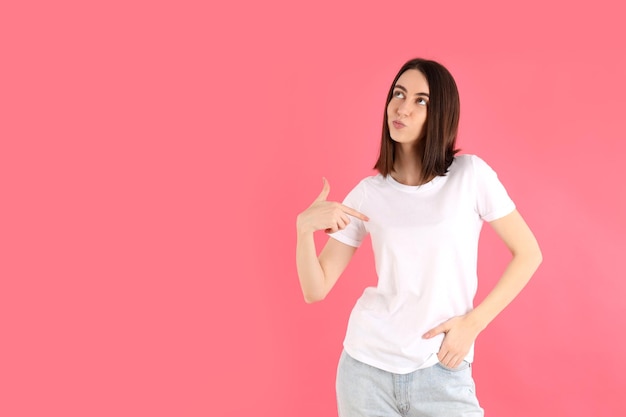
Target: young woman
(409, 344)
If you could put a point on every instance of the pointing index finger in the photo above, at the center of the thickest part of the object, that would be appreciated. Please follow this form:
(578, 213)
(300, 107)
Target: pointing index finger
(352, 212)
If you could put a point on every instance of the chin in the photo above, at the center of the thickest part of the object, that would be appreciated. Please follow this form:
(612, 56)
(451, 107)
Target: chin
(403, 139)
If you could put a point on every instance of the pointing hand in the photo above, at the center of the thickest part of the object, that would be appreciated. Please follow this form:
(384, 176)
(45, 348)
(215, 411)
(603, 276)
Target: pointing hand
(326, 215)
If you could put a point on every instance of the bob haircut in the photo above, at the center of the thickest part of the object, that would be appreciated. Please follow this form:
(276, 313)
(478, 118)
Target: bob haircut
(442, 121)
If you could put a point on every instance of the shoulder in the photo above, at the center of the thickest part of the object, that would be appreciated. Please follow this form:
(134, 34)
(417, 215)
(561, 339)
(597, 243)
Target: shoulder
(360, 190)
(462, 164)
(467, 159)
(371, 181)
(368, 188)
(463, 160)
(469, 163)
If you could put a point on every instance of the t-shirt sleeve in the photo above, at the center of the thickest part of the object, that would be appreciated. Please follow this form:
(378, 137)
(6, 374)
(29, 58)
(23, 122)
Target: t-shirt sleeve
(355, 231)
(492, 199)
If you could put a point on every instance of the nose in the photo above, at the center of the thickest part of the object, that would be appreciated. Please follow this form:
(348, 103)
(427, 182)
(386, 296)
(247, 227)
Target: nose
(403, 109)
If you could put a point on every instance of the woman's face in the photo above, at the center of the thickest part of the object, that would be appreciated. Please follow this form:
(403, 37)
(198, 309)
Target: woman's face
(407, 110)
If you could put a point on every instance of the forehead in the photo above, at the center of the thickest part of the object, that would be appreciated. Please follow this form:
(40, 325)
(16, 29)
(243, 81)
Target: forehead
(413, 80)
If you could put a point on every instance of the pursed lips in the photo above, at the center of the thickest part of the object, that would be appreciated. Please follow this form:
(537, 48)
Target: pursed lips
(398, 124)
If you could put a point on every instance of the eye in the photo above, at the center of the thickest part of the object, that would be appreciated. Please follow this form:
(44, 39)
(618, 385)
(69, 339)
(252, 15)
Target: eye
(398, 94)
(422, 101)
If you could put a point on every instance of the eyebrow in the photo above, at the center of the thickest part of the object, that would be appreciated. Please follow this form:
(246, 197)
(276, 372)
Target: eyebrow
(406, 91)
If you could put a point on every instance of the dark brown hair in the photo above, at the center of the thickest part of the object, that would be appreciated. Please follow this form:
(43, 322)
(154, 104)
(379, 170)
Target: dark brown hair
(442, 121)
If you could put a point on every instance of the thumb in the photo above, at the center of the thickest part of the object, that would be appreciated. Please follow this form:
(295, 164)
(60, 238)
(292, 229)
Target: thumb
(325, 191)
(442, 328)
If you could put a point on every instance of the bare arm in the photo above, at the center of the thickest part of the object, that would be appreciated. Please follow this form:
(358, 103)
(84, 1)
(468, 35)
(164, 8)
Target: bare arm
(527, 257)
(460, 332)
(319, 274)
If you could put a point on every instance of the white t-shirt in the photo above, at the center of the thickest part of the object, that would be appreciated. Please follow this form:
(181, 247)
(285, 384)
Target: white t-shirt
(425, 244)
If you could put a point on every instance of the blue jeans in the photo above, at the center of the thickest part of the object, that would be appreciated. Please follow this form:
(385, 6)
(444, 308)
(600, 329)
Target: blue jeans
(366, 391)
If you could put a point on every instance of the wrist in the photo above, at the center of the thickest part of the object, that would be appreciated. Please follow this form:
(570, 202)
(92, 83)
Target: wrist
(304, 231)
(301, 227)
(476, 320)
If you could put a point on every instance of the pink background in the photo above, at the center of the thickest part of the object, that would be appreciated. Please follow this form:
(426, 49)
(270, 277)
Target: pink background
(154, 156)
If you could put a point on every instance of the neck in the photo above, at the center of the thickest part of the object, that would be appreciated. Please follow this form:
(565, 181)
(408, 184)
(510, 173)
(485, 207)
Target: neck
(407, 166)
